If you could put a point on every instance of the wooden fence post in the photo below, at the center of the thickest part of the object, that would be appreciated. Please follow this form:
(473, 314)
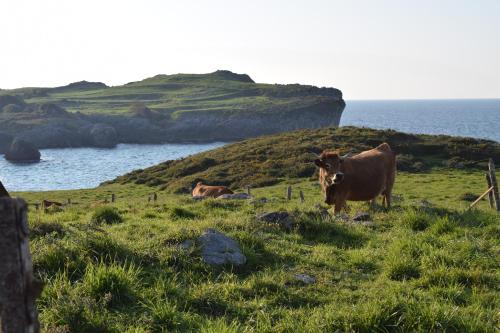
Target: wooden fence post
(493, 178)
(248, 190)
(69, 201)
(18, 288)
(289, 193)
(113, 198)
(155, 197)
(490, 194)
(301, 194)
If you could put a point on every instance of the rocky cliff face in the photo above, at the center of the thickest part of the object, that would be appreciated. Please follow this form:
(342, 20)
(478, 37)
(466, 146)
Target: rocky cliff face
(228, 126)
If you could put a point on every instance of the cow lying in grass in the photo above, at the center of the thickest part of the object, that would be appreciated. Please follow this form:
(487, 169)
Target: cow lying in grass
(202, 190)
(362, 177)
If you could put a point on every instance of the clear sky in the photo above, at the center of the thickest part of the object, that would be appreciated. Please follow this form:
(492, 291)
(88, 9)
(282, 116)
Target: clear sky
(379, 49)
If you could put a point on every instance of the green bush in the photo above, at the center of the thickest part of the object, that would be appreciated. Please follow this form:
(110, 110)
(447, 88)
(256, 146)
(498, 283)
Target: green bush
(416, 220)
(408, 162)
(402, 267)
(113, 284)
(106, 215)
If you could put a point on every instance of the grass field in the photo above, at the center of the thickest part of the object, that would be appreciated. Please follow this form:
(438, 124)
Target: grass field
(425, 265)
(117, 267)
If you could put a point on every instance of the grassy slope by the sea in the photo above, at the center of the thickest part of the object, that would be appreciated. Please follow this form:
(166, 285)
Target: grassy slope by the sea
(418, 268)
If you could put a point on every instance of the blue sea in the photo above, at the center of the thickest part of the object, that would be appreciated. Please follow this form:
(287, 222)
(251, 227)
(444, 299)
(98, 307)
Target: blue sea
(478, 118)
(74, 168)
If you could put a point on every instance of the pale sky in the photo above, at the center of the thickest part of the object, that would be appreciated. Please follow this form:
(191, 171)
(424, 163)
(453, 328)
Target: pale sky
(379, 49)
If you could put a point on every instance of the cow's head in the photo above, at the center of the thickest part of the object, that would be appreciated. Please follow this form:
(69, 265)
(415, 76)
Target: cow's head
(331, 162)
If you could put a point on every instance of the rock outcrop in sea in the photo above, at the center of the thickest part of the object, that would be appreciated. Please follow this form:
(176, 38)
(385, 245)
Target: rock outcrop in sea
(22, 151)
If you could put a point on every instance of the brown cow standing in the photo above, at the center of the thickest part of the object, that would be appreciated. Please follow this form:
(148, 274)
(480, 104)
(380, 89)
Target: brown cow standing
(362, 177)
(210, 191)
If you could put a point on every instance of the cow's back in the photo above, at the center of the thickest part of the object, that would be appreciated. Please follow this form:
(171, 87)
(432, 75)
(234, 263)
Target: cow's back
(210, 191)
(369, 172)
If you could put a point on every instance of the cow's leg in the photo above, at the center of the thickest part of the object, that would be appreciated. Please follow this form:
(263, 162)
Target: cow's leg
(387, 198)
(391, 177)
(340, 203)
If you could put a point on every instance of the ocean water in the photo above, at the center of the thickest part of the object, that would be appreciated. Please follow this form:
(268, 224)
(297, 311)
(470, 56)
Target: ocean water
(74, 168)
(479, 118)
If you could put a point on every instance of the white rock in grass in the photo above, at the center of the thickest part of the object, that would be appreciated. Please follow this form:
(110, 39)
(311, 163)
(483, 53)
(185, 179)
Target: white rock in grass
(235, 196)
(281, 218)
(219, 249)
(306, 279)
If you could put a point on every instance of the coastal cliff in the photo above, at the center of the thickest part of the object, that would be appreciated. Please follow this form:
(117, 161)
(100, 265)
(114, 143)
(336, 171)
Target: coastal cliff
(219, 106)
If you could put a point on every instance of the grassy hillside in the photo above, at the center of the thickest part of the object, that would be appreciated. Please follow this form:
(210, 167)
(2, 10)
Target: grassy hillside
(271, 159)
(415, 269)
(424, 265)
(175, 94)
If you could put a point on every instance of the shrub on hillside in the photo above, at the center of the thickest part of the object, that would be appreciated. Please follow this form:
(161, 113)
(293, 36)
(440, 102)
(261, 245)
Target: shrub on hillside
(113, 284)
(408, 162)
(106, 215)
(416, 220)
(402, 267)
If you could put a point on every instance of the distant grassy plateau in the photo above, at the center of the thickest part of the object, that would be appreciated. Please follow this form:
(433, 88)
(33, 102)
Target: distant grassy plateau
(219, 106)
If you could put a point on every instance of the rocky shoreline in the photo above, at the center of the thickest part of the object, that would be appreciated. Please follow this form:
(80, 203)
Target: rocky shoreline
(41, 117)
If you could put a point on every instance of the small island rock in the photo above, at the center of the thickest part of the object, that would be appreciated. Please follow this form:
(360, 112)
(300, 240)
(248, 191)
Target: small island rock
(22, 151)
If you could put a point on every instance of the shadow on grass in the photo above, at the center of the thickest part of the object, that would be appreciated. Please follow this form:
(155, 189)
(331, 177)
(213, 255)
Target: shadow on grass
(313, 226)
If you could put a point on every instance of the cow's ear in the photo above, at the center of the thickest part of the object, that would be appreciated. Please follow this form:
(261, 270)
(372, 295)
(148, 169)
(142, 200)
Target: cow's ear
(318, 162)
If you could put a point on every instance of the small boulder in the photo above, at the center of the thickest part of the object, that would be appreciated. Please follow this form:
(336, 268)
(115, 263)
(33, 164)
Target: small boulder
(186, 245)
(304, 278)
(323, 212)
(219, 249)
(103, 136)
(22, 151)
(259, 200)
(361, 217)
(235, 196)
(283, 219)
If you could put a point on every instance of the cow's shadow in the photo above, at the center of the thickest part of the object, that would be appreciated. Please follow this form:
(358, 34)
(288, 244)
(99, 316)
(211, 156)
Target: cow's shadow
(324, 228)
